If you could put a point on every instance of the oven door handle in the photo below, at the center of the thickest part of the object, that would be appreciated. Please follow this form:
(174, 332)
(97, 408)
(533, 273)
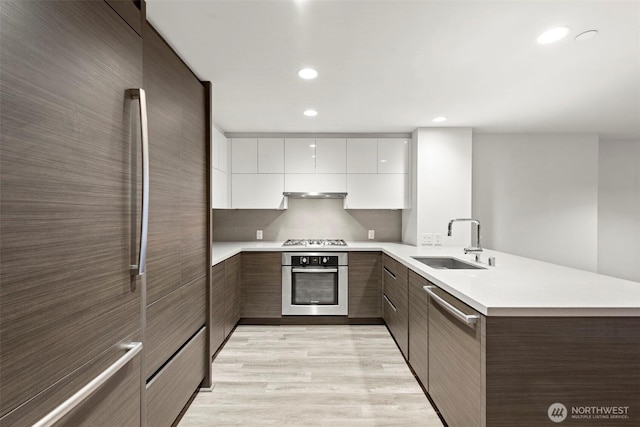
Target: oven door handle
(314, 270)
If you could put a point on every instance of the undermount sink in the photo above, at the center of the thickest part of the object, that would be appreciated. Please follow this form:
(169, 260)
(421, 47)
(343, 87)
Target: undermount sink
(447, 263)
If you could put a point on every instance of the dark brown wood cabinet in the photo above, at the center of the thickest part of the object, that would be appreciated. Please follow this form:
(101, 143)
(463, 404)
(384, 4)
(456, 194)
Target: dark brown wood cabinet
(395, 296)
(365, 284)
(70, 196)
(178, 265)
(67, 300)
(172, 321)
(177, 150)
(216, 308)
(261, 285)
(170, 391)
(232, 282)
(194, 176)
(419, 327)
(581, 362)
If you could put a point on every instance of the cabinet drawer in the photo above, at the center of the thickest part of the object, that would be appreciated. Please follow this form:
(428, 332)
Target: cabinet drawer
(116, 402)
(419, 327)
(216, 306)
(171, 388)
(172, 320)
(232, 282)
(395, 290)
(396, 321)
(389, 314)
(394, 279)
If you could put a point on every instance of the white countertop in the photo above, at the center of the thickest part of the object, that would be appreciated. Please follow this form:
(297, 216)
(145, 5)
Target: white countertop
(516, 286)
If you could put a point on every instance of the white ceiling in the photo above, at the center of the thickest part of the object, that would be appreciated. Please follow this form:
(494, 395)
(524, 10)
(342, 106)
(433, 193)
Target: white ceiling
(392, 66)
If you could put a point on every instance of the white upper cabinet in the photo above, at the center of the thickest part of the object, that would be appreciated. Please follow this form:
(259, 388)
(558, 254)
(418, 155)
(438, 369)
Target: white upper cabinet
(219, 171)
(220, 151)
(362, 155)
(257, 191)
(219, 189)
(393, 155)
(331, 155)
(271, 155)
(300, 155)
(373, 171)
(257, 178)
(378, 173)
(377, 191)
(244, 155)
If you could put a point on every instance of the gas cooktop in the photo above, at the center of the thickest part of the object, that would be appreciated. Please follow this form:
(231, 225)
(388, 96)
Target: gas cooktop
(315, 243)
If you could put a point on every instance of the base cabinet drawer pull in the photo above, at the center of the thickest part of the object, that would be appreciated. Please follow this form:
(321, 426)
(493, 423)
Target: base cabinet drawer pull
(63, 409)
(390, 303)
(466, 318)
(386, 270)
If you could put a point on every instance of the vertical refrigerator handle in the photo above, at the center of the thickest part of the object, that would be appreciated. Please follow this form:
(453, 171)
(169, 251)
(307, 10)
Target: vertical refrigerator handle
(140, 268)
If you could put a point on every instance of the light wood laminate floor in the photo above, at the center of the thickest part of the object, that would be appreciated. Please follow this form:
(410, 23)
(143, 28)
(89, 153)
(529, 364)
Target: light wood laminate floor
(311, 376)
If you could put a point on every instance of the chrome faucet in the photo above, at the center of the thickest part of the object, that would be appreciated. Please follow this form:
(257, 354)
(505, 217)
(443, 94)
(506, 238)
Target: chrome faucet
(475, 249)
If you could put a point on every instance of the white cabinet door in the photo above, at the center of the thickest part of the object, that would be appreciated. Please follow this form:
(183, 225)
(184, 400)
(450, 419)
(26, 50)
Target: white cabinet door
(257, 191)
(316, 183)
(393, 155)
(219, 189)
(244, 155)
(299, 155)
(271, 155)
(219, 168)
(362, 155)
(220, 151)
(331, 155)
(377, 191)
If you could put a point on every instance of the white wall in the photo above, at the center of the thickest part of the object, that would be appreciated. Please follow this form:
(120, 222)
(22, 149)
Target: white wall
(410, 216)
(537, 196)
(441, 185)
(619, 209)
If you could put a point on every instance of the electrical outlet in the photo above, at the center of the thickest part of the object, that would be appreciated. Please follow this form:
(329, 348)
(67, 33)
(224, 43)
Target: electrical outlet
(427, 238)
(259, 235)
(437, 239)
(372, 234)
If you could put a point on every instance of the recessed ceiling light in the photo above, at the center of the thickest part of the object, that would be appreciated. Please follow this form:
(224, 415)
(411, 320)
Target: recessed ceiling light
(310, 113)
(308, 73)
(552, 35)
(439, 119)
(586, 35)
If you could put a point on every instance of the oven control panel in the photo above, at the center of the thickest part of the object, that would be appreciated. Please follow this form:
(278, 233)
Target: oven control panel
(314, 261)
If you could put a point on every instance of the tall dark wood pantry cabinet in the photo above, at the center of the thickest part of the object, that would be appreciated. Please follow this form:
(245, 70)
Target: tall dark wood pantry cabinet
(177, 278)
(69, 306)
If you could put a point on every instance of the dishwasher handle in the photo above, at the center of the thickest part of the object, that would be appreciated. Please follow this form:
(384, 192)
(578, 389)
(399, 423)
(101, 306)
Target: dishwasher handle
(469, 319)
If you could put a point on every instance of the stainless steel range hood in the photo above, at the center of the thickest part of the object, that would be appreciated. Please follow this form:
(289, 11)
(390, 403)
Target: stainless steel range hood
(311, 195)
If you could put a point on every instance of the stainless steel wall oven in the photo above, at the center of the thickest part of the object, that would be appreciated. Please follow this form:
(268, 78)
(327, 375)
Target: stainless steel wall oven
(315, 283)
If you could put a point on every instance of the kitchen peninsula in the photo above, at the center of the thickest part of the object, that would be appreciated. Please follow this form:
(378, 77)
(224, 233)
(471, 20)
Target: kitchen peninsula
(535, 335)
